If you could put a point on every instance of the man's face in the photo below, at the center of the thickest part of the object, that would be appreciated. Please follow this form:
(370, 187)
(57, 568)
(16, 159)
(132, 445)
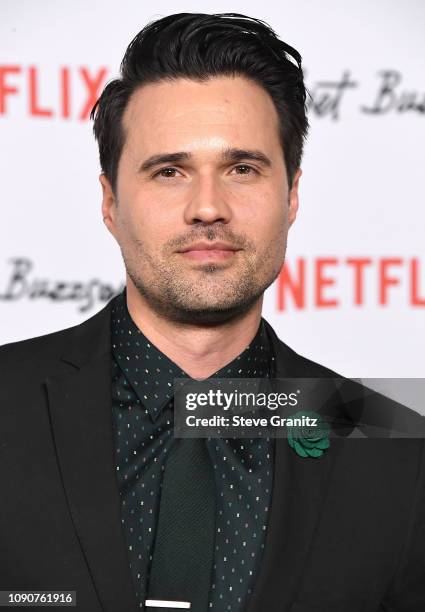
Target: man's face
(227, 185)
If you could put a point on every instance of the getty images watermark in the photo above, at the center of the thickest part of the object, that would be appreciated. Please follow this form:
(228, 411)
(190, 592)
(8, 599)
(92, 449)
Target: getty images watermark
(260, 407)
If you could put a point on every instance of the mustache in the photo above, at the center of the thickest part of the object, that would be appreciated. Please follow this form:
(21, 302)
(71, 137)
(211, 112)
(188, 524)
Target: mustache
(209, 234)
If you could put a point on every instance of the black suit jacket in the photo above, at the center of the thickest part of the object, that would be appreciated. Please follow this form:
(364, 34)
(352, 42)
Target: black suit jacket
(346, 531)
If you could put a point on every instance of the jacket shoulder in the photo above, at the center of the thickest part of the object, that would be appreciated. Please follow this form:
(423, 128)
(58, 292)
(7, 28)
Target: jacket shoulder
(293, 363)
(352, 401)
(310, 368)
(48, 346)
(33, 347)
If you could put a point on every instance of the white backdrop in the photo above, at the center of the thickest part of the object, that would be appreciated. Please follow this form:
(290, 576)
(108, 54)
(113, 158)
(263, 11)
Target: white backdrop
(362, 189)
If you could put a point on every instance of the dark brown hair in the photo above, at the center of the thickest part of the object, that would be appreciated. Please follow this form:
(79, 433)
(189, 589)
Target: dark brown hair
(200, 46)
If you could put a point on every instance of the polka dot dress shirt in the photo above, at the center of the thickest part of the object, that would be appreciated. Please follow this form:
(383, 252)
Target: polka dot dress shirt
(142, 404)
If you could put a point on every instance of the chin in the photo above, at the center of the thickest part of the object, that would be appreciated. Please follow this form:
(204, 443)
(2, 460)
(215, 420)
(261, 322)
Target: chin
(211, 315)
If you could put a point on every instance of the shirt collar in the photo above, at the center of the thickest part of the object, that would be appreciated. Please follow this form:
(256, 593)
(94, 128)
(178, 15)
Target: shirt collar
(150, 372)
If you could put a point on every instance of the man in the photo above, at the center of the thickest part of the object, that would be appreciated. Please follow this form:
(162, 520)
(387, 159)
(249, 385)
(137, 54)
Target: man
(200, 145)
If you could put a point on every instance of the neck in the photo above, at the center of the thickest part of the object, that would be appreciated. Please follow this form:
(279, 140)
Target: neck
(199, 351)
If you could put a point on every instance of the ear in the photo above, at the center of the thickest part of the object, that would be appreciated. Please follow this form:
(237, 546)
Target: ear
(293, 198)
(109, 205)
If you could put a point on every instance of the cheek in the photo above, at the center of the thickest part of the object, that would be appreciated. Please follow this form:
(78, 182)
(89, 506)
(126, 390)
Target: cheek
(138, 217)
(147, 232)
(267, 220)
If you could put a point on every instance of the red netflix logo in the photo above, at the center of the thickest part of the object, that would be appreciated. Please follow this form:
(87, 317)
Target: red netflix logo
(19, 80)
(389, 274)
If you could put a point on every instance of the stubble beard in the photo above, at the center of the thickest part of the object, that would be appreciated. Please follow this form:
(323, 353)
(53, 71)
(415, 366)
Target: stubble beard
(209, 296)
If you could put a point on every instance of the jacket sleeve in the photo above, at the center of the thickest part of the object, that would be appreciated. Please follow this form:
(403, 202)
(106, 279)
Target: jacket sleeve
(407, 590)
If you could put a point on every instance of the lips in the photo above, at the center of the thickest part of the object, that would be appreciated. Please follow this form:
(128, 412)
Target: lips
(210, 246)
(208, 251)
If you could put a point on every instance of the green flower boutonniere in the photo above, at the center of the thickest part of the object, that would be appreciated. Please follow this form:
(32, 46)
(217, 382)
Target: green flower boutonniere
(308, 440)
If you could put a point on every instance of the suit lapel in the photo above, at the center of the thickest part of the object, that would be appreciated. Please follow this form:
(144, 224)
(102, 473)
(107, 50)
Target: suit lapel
(299, 490)
(81, 416)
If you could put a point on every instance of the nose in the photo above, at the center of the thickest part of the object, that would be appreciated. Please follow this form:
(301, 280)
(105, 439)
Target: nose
(207, 202)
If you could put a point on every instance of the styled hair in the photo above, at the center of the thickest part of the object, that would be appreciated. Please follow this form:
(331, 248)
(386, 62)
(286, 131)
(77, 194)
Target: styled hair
(199, 46)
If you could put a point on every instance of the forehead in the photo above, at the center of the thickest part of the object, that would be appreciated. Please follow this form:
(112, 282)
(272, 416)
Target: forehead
(183, 114)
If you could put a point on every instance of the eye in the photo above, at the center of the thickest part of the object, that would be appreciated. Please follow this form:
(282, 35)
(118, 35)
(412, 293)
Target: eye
(168, 172)
(245, 169)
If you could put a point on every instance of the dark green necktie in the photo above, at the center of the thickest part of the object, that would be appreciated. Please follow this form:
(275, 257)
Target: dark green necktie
(184, 544)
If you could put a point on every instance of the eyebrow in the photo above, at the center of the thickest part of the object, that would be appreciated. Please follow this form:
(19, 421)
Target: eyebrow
(231, 155)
